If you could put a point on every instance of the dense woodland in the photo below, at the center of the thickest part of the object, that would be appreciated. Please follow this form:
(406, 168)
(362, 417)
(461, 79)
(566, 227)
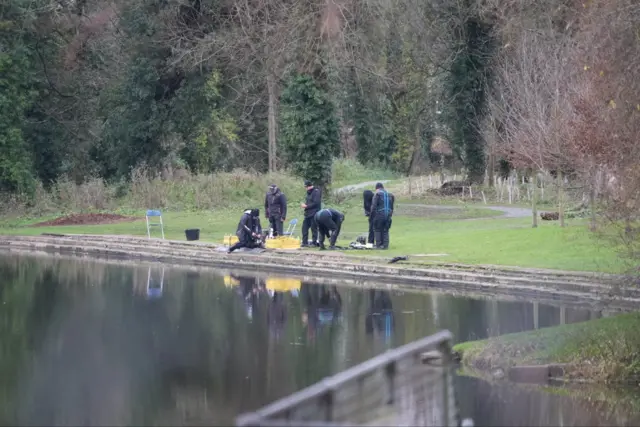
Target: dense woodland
(101, 88)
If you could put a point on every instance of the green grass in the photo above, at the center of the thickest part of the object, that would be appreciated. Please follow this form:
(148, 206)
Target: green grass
(606, 349)
(346, 172)
(498, 241)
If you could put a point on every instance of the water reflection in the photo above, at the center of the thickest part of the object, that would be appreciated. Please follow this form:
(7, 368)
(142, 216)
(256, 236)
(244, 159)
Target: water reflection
(78, 347)
(505, 404)
(322, 306)
(379, 321)
(155, 283)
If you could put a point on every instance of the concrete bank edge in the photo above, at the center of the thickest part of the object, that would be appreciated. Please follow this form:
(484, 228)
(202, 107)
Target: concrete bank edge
(305, 263)
(359, 258)
(454, 288)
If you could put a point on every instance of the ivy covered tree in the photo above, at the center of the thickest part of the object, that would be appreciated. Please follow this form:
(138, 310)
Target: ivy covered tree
(309, 129)
(465, 86)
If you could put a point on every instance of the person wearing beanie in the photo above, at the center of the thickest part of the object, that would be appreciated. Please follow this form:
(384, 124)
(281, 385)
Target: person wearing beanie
(311, 206)
(249, 230)
(275, 206)
(382, 211)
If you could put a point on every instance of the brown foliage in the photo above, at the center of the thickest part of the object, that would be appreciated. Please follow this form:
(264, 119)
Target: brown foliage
(87, 27)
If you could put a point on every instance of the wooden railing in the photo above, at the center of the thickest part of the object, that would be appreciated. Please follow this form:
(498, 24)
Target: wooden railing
(411, 385)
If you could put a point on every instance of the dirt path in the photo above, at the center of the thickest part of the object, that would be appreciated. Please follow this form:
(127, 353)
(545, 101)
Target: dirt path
(507, 211)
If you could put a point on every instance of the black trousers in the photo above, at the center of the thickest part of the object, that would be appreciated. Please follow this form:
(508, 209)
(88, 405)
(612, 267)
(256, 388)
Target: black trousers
(309, 222)
(275, 222)
(370, 237)
(246, 243)
(381, 225)
(327, 227)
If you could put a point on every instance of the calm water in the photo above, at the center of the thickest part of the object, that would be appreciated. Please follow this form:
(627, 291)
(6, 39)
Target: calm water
(90, 343)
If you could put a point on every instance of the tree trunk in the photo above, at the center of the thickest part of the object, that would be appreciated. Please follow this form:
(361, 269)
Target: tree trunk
(491, 168)
(416, 155)
(534, 202)
(560, 198)
(592, 201)
(273, 124)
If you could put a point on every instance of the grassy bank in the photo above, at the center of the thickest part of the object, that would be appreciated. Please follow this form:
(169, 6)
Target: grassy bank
(606, 349)
(490, 240)
(214, 203)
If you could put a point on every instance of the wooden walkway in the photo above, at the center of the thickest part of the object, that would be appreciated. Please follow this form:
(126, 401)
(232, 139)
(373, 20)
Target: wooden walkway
(408, 386)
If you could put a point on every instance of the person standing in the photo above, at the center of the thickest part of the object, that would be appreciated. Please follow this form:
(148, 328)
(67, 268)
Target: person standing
(329, 223)
(311, 206)
(367, 195)
(382, 209)
(275, 206)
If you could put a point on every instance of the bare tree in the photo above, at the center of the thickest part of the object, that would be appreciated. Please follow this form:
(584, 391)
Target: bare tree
(529, 105)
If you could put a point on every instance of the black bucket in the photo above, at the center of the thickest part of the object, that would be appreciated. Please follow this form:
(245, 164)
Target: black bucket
(192, 234)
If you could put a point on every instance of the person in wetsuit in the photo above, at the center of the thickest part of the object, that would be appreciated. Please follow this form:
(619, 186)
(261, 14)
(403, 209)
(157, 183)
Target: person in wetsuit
(275, 205)
(382, 210)
(311, 206)
(249, 230)
(367, 195)
(329, 223)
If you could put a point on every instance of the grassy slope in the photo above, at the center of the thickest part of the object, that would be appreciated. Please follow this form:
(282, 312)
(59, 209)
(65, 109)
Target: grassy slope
(482, 241)
(606, 349)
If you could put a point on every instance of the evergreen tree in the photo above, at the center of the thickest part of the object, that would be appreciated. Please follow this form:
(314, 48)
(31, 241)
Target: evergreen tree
(309, 129)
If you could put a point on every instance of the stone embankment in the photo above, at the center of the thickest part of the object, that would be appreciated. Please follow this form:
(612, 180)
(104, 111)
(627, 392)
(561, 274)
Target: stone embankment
(591, 289)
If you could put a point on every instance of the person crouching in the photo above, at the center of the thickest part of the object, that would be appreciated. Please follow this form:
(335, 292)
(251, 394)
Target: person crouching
(249, 230)
(329, 223)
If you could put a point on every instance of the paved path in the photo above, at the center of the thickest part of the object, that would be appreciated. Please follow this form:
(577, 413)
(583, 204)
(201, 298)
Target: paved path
(507, 211)
(353, 187)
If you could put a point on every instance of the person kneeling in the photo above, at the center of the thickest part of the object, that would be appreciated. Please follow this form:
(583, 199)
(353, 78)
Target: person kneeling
(329, 223)
(249, 231)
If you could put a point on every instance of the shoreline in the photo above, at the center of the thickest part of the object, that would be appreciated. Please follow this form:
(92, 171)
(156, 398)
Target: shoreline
(584, 287)
(610, 308)
(598, 351)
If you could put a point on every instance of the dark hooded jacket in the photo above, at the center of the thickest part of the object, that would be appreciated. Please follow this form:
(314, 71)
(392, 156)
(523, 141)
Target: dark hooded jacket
(251, 219)
(367, 195)
(382, 203)
(313, 202)
(336, 216)
(275, 203)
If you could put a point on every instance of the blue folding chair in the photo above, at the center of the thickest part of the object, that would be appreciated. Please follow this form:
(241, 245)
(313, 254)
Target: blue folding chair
(151, 213)
(291, 228)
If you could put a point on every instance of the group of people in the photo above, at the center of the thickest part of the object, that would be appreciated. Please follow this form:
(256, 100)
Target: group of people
(324, 223)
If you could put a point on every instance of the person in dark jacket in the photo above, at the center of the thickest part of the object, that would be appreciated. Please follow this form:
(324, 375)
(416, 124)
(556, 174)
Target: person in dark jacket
(382, 210)
(249, 230)
(329, 223)
(275, 206)
(367, 195)
(311, 206)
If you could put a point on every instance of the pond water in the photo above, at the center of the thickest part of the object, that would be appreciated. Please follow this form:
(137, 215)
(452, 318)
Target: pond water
(85, 342)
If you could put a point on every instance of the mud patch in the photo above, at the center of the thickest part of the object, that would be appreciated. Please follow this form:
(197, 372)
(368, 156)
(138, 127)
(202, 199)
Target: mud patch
(87, 219)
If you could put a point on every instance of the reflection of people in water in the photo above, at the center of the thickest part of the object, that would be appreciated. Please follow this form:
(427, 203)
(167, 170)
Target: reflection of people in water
(380, 314)
(249, 288)
(277, 313)
(322, 305)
